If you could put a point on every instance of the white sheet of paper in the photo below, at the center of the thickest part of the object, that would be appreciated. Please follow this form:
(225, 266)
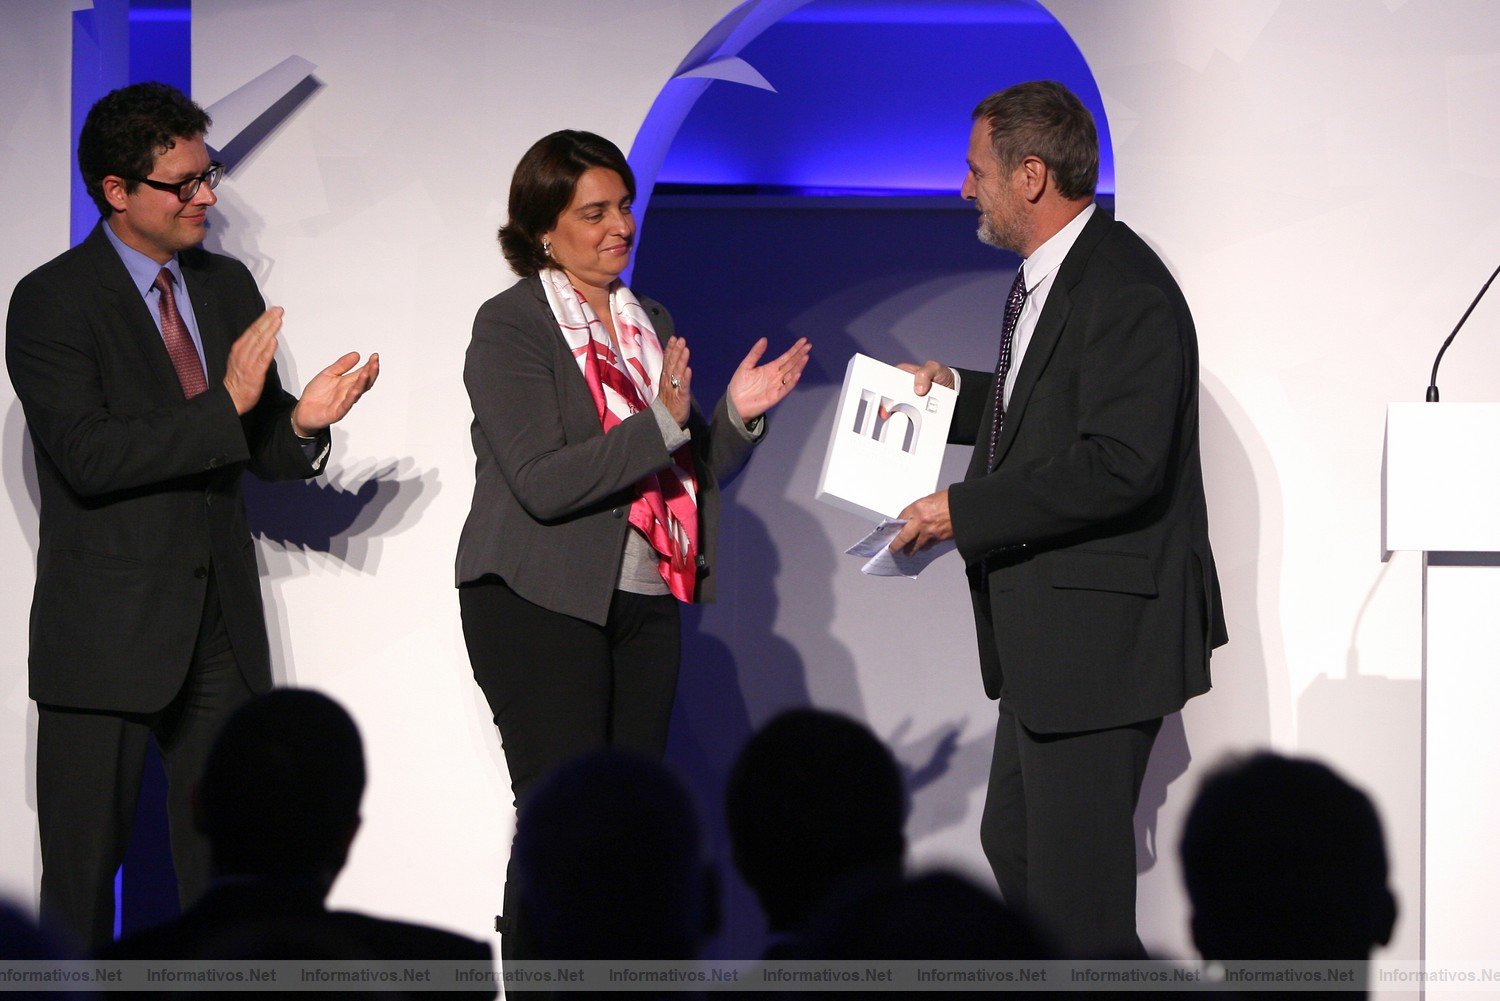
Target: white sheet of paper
(883, 562)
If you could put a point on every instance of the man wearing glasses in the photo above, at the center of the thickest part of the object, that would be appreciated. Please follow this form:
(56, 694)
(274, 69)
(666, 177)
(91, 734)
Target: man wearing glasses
(145, 366)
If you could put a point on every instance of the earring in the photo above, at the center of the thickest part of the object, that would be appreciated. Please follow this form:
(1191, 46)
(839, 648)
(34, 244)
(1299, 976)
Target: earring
(546, 248)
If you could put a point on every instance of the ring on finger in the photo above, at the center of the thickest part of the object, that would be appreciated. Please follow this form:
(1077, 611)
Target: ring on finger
(676, 383)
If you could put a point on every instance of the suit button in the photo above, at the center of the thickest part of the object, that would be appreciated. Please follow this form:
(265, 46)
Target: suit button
(619, 512)
(200, 572)
(213, 463)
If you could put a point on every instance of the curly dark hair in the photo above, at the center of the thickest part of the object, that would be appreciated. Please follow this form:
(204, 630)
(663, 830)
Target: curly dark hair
(542, 187)
(128, 128)
(1043, 118)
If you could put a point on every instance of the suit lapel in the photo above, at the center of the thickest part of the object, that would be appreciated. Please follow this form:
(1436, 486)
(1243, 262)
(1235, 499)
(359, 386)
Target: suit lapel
(1049, 326)
(211, 329)
(134, 314)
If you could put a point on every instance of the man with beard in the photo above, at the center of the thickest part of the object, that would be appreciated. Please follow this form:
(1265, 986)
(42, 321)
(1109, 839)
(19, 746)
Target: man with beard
(1081, 520)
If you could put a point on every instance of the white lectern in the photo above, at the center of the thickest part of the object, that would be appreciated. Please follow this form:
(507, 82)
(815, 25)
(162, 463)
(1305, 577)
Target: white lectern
(1440, 494)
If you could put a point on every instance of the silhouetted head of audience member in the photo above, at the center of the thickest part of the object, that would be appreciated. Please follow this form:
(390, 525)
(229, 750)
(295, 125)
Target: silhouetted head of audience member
(1283, 859)
(936, 916)
(280, 792)
(609, 863)
(22, 940)
(815, 805)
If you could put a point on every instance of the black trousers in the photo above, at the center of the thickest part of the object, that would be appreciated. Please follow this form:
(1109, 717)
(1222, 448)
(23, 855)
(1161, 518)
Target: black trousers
(560, 687)
(89, 765)
(1059, 831)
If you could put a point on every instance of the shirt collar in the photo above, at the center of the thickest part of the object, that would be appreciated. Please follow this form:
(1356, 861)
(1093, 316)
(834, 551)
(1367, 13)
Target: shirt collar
(1049, 256)
(143, 270)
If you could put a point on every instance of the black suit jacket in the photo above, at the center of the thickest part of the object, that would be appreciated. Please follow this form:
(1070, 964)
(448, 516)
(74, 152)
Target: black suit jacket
(1100, 604)
(140, 489)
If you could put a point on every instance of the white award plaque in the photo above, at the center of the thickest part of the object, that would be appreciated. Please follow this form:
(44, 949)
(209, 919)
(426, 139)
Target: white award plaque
(886, 446)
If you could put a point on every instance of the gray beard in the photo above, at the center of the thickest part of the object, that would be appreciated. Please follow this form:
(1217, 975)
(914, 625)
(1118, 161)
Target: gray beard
(989, 236)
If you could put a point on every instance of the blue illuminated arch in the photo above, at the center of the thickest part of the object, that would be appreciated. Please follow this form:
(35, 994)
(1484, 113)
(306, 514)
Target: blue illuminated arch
(849, 97)
(117, 43)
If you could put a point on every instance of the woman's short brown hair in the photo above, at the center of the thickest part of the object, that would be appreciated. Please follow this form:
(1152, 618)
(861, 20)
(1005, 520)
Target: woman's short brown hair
(543, 187)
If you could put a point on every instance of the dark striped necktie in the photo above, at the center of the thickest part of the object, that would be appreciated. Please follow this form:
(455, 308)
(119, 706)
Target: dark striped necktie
(179, 344)
(1013, 304)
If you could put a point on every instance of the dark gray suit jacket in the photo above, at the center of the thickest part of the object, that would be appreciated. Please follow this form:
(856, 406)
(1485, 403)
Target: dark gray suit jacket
(1102, 602)
(552, 491)
(140, 489)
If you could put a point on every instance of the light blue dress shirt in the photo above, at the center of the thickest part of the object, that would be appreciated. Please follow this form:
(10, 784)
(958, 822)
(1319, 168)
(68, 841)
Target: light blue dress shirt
(143, 271)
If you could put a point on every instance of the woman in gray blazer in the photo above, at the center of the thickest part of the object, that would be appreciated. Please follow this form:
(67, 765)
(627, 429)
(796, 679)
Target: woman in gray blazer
(597, 478)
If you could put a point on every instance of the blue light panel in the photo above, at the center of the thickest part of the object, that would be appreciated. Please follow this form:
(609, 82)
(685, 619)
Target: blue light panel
(873, 97)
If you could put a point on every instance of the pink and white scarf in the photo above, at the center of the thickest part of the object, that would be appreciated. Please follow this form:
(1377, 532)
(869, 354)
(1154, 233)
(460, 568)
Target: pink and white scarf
(666, 512)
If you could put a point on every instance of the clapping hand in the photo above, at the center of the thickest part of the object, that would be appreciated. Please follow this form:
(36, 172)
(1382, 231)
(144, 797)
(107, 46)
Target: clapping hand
(249, 359)
(755, 388)
(332, 392)
(675, 387)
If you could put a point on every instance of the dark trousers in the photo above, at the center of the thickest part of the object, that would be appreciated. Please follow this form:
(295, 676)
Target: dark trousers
(560, 687)
(1059, 831)
(89, 765)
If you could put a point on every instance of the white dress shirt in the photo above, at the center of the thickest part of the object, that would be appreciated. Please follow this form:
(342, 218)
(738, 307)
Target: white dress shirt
(1040, 269)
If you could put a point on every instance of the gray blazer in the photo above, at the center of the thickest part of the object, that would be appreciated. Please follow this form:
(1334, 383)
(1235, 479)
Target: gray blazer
(552, 491)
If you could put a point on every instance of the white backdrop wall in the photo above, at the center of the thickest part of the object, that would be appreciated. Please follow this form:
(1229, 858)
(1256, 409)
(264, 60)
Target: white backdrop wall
(35, 59)
(1268, 150)
(1317, 175)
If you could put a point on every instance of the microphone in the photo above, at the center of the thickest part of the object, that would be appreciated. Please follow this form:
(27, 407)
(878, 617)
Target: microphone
(1432, 390)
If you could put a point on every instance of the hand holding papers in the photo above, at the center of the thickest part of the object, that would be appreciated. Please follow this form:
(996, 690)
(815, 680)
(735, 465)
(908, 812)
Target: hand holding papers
(884, 452)
(886, 445)
(882, 561)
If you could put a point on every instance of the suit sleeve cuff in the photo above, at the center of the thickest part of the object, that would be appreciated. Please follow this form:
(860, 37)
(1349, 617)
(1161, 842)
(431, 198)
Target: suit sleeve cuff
(751, 430)
(672, 436)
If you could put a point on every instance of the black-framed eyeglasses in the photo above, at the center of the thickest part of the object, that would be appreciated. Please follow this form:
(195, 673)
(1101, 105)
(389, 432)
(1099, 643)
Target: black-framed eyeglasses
(185, 190)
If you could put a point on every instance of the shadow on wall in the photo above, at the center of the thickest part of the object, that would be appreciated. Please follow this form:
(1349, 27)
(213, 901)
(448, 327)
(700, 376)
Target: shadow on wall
(1372, 726)
(19, 454)
(1170, 757)
(240, 147)
(344, 513)
(1239, 476)
(309, 515)
(1239, 703)
(346, 521)
(18, 458)
(321, 516)
(713, 715)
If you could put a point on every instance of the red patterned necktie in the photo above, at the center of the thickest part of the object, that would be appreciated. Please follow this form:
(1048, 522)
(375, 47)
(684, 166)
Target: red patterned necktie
(1013, 304)
(179, 345)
